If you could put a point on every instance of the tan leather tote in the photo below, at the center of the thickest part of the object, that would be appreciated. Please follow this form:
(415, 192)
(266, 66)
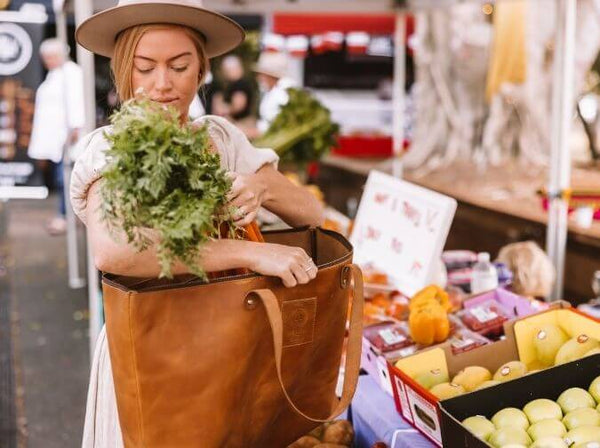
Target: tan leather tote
(238, 362)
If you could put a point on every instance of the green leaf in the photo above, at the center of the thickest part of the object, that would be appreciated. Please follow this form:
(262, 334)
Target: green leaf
(161, 175)
(302, 131)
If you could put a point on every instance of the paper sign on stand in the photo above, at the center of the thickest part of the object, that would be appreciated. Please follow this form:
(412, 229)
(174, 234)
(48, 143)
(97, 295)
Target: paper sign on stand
(400, 230)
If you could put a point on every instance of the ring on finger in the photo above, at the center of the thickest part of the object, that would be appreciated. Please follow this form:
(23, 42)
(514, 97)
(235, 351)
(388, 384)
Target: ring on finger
(310, 266)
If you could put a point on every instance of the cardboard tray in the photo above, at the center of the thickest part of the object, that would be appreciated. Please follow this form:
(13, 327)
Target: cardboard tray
(421, 408)
(549, 383)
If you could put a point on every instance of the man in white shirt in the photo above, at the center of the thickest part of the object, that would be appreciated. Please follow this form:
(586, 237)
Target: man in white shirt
(59, 115)
(271, 74)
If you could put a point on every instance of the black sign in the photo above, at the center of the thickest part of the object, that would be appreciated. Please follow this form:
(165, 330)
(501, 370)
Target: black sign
(21, 73)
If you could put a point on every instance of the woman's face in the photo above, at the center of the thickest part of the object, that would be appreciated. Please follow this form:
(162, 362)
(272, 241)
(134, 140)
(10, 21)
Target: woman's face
(166, 65)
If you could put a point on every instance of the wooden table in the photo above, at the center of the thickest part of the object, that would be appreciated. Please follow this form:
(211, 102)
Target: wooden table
(497, 206)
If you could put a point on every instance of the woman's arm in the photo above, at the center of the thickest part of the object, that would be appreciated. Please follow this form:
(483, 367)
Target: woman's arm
(291, 264)
(268, 188)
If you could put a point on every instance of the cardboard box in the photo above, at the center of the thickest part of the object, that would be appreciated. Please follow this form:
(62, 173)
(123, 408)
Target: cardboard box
(549, 383)
(421, 408)
(376, 366)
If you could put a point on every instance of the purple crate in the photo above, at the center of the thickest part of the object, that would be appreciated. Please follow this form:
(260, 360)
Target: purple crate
(516, 305)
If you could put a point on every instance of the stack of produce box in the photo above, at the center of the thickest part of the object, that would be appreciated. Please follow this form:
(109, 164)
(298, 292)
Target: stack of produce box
(431, 388)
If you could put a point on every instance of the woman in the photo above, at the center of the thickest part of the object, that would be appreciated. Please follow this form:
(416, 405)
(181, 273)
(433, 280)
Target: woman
(164, 49)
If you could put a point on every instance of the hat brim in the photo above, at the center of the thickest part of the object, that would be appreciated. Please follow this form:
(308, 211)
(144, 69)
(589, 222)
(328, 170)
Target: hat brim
(99, 32)
(266, 71)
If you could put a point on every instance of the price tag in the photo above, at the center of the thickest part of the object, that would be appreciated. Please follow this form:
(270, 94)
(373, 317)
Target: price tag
(483, 315)
(391, 337)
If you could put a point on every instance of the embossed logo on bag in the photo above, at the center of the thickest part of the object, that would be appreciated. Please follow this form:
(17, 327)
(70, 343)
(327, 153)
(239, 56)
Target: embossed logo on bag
(299, 321)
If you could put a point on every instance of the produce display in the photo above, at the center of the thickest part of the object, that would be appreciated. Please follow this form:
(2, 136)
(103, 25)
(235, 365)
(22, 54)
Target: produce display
(472, 378)
(573, 420)
(553, 347)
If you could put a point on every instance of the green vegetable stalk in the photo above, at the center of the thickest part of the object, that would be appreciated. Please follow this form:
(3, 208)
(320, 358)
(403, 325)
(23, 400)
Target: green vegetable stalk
(162, 176)
(302, 132)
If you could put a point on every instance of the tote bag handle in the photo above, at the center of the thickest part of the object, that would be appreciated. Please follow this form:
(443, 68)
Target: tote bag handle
(353, 351)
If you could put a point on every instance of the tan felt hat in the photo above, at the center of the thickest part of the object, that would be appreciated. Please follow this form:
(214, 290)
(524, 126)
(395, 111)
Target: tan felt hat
(99, 32)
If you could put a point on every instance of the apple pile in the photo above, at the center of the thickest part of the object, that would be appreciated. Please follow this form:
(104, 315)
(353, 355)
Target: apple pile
(469, 379)
(553, 346)
(573, 421)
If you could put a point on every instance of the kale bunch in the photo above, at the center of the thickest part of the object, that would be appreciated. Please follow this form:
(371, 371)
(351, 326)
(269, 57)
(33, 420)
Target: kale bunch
(302, 132)
(162, 179)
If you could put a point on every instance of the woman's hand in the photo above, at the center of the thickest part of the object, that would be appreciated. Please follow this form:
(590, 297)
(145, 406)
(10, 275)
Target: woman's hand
(247, 195)
(291, 264)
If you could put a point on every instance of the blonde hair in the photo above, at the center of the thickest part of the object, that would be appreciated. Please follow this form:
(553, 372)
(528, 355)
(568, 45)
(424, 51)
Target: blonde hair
(121, 63)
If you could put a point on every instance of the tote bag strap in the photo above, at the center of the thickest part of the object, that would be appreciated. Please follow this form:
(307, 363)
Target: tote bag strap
(353, 351)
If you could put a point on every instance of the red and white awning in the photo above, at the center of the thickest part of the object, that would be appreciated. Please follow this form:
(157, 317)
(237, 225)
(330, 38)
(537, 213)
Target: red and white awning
(363, 34)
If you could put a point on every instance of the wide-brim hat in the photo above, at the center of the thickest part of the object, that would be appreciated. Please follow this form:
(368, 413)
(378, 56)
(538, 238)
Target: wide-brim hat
(99, 32)
(271, 63)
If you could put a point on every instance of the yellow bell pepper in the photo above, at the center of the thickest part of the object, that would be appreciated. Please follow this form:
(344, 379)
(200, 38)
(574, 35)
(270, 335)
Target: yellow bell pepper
(429, 324)
(431, 293)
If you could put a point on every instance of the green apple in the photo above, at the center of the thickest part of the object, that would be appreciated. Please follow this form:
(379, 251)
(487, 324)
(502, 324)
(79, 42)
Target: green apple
(536, 366)
(486, 384)
(505, 436)
(575, 398)
(431, 378)
(514, 445)
(547, 341)
(546, 428)
(471, 377)
(575, 348)
(480, 426)
(510, 371)
(542, 409)
(582, 417)
(447, 390)
(587, 445)
(592, 352)
(594, 389)
(510, 417)
(583, 434)
(549, 442)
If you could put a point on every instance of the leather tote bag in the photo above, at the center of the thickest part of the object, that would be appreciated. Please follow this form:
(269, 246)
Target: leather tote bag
(240, 361)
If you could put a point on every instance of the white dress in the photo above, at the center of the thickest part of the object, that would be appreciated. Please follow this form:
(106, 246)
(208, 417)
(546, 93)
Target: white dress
(102, 428)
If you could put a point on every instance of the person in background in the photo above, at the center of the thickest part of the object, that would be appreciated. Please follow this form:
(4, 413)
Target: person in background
(238, 93)
(271, 73)
(58, 117)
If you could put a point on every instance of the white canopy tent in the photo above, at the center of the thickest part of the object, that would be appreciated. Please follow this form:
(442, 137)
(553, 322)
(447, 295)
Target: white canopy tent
(562, 105)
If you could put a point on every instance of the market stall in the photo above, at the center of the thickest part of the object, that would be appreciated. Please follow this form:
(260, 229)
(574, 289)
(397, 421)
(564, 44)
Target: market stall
(431, 353)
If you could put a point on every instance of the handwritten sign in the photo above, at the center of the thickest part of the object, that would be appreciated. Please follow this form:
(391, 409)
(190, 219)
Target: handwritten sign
(400, 229)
